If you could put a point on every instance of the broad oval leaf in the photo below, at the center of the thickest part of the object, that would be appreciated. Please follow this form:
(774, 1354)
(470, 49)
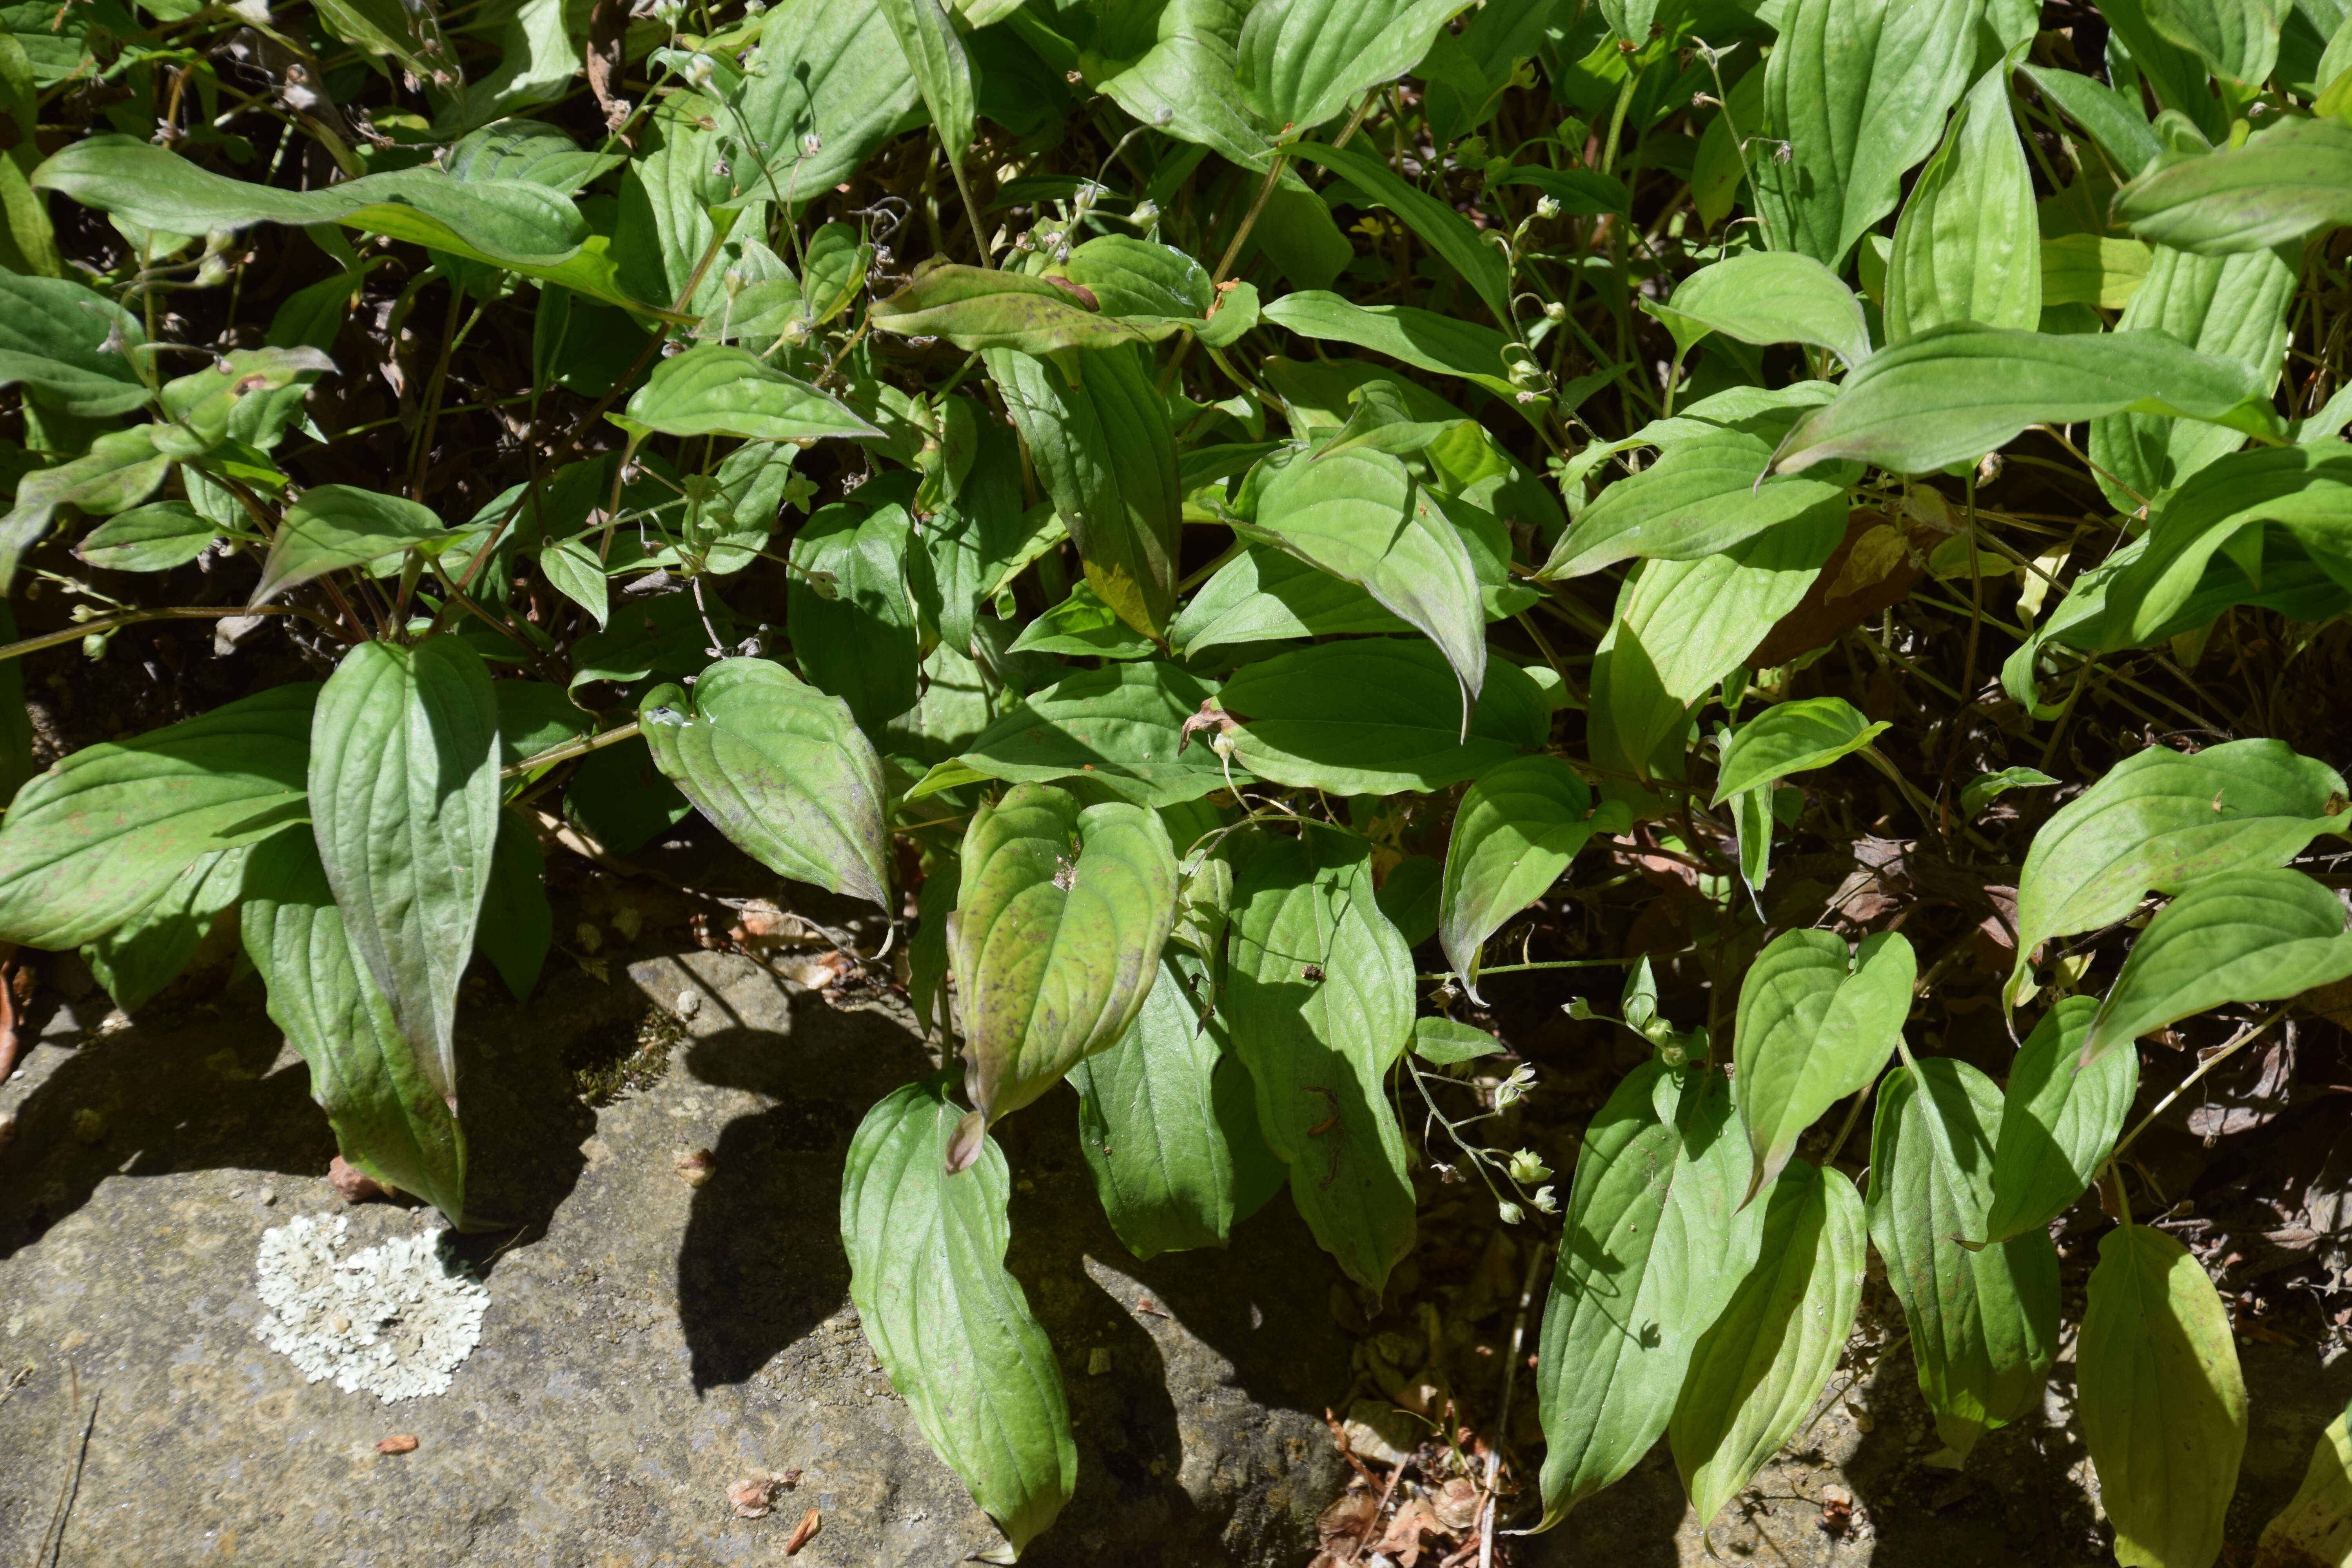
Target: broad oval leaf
(1360, 515)
(2163, 1402)
(1055, 939)
(1319, 1002)
(1814, 1025)
(404, 809)
(1265, 595)
(335, 526)
(52, 337)
(1442, 1042)
(1299, 62)
(1984, 1322)
(2161, 821)
(715, 389)
(994, 308)
(153, 538)
(104, 832)
(1122, 727)
(1653, 1253)
(1955, 392)
(779, 767)
(1376, 716)
(860, 641)
(120, 469)
(836, 88)
(2278, 187)
(1968, 247)
(384, 1102)
(1755, 1373)
(2245, 936)
(2058, 1121)
(948, 1322)
(1516, 831)
(1769, 296)
(145, 954)
(1791, 738)
(1168, 1122)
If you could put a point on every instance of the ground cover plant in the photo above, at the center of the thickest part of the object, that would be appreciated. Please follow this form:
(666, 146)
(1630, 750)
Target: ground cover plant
(1340, 575)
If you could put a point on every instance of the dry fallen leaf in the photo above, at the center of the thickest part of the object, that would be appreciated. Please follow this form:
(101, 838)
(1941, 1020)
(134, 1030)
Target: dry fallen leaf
(1457, 1506)
(405, 1443)
(754, 1496)
(353, 1186)
(802, 1533)
(696, 1165)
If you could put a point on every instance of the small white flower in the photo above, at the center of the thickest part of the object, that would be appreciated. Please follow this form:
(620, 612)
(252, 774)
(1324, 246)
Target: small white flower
(1514, 1089)
(1527, 1168)
(1509, 1214)
(1545, 1201)
(1546, 208)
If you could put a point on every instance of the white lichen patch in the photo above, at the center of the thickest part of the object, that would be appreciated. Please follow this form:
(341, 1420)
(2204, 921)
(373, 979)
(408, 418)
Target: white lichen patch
(393, 1320)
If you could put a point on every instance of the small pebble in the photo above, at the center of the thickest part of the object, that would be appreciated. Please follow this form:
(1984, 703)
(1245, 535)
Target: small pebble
(405, 1443)
(268, 1198)
(689, 1003)
(697, 1166)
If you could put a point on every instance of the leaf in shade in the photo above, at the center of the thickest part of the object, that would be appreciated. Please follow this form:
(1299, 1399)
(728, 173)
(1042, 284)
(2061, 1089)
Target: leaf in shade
(120, 469)
(1319, 1001)
(52, 337)
(1518, 826)
(139, 958)
(335, 526)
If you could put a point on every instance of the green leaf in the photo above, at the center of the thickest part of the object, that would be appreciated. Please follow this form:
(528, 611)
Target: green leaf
(2163, 821)
(1653, 1255)
(1300, 62)
(2222, 508)
(990, 308)
(860, 642)
(2236, 39)
(1445, 1043)
(1319, 1001)
(1681, 627)
(1442, 228)
(1982, 790)
(1360, 515)
(2116, 122)
(1858, 90)
(1815, 1024)
(2316, 1526)
(513, 225)
(105, 832)
(335, 526)
(1082, 624)
(942, 68)
(1755, 1373)
(2091, 269)
(52, 337)
(1444, 345)
(405, 808)
(713, 389)
(1105, 454)
(153, 538)
(1711, 491)
(2245, 936)
(1968, 247)
(949, 1324)
(1376, 716)
(1984, 1323)
(780, 769)
(139, 957)
(2163, 1402)
(2277, 189)
(1955, 392)
(1167, 1123)
(1791, 738)
(1264, 595)
(1055, 940)
(517, 925)
(1516, 831)
(1121, 727)
(2232, 307)
(837, 76)
(1769, 296)
(386, 1107)
(2059, 1120)
(121, 469)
